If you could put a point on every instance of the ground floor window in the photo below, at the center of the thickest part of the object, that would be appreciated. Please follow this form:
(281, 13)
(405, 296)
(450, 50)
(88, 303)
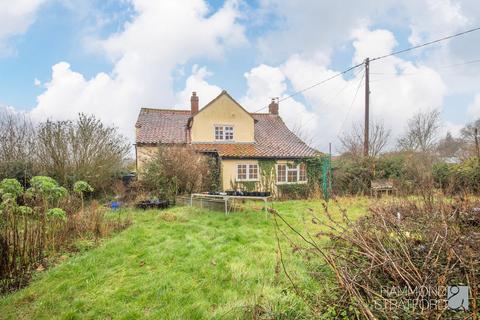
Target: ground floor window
(247, 172)
(291, 173)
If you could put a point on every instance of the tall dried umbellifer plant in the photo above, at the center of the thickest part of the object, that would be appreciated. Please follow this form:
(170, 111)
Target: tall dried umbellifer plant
(411, 248)
(20, 237)
(82, 187)
(33, 233)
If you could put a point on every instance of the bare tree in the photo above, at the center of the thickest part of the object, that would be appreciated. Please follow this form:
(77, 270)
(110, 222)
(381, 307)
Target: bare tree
(17, 136)
(449, 146)
(422, 132)
(352, 141)
(17, 146)
(468, 132)
(84, 149)
(471, 136)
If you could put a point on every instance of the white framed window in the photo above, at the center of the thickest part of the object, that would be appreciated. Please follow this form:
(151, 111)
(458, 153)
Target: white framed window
(228, 132)
(242, 172)
(218, 132)
(223, 132)
(247, 172)
(290, 173)
(281, 173)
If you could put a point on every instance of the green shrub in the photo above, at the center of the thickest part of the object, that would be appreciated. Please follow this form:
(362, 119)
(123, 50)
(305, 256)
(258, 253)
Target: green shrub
(442, 174)
(465, 176)
(47, 189)
(11, 186)
(57, 213)
(293, 191)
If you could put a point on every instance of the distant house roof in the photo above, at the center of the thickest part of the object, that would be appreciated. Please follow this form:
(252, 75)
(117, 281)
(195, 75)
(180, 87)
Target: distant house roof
(272, 137)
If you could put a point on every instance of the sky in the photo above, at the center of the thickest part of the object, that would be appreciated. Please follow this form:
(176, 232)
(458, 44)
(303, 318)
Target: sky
(109, 58)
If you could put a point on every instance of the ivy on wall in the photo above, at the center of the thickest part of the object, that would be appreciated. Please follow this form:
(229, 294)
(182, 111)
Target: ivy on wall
(244, 185)
(268, 175)
(268, 178)
(214, 169)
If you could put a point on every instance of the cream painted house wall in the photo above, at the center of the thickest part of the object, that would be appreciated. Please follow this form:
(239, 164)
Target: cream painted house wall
(229, 171)
(222, 111)
(229, 174)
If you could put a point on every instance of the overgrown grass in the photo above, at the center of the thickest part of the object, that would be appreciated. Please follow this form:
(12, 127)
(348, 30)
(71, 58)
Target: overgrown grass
(182, 263)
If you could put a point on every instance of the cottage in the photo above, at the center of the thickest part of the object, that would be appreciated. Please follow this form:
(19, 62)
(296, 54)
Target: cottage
(251, 148)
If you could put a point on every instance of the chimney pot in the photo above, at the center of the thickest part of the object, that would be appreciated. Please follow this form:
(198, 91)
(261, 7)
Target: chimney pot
(194, 103)
(273, 106)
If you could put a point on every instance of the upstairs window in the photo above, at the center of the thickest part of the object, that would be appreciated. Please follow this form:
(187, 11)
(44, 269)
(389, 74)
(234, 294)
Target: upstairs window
(223, 133)
(247, 172)
(289, 173)
(218, 132)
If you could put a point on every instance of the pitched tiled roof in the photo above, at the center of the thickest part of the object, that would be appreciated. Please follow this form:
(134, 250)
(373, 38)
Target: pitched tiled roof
(272, 137)
(162, 126)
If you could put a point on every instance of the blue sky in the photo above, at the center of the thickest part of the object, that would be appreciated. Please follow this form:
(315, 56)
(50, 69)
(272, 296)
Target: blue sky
(111, 57)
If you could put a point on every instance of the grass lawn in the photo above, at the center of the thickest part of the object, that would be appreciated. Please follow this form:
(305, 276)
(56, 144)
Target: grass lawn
(182, 263)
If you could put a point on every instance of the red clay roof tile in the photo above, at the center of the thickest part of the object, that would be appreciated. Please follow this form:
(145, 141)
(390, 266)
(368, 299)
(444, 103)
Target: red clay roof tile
(272, 137)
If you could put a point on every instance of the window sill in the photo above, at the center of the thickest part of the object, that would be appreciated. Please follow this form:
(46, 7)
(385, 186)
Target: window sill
(247, 180)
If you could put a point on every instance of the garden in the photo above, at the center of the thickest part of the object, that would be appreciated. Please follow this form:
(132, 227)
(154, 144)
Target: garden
(69, 253)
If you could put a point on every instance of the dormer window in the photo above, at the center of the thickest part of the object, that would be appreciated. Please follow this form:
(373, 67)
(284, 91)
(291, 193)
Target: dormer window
(223, 133)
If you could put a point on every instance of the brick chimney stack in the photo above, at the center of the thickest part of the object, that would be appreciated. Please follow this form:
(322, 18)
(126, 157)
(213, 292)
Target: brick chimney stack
(273, 106)
(194, 103)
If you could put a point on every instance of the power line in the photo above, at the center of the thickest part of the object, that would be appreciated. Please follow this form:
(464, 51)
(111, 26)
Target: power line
(418, 72)
(374, 59)
(425, 44)
(351, 104)
(349, 83)
(316, 84)
(393, 75)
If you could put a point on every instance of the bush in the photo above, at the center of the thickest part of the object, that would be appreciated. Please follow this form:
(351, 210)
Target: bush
(455, 178)
(465, 176)
(176, 170)
(411, 172)
(293, 191)
(46, 224)
(352, 176)
(398, 254)
(84, 149)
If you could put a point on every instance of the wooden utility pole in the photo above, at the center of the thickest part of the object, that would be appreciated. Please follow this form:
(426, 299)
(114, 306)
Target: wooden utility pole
(477, 148)
(367, 107)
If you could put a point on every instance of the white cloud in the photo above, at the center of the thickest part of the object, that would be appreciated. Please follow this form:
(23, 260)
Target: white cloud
(372, 43)
(196, 82)
(329, 110)
(430, 17)
(162, 35)
(37, 83)
(15, 16)
(474, 107)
